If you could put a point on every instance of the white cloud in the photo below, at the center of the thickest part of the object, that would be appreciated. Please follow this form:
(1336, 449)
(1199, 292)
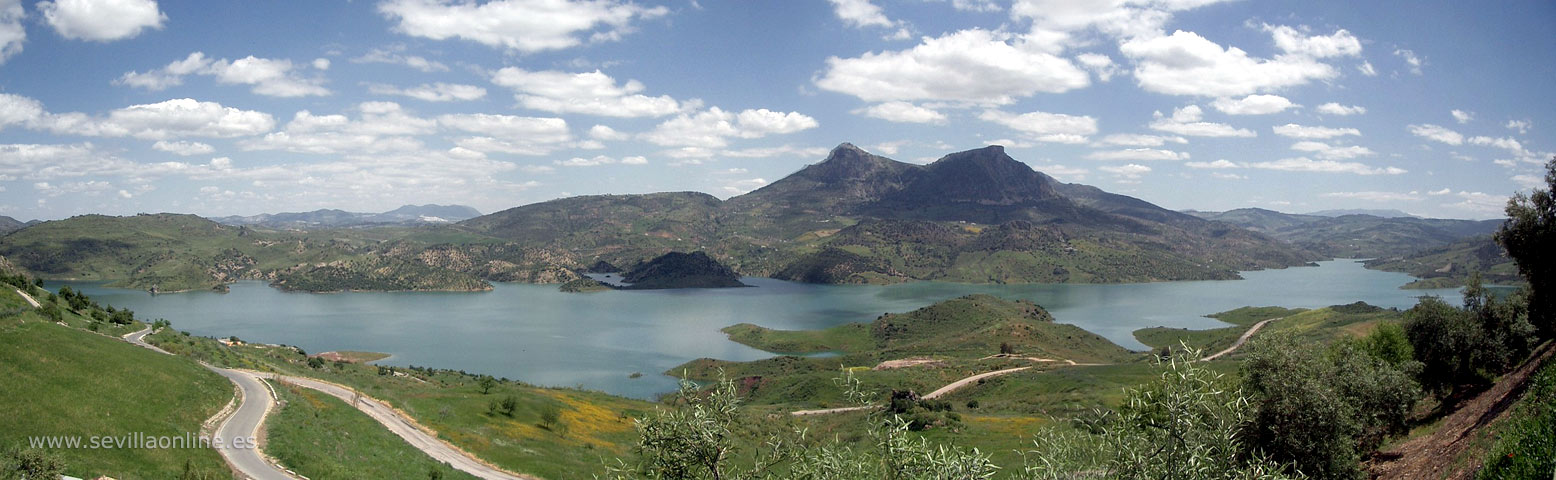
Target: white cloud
(1295, 41)
(600, 160)
(382, 128)
(1333, 108)
(1218, 164)
(975, 5)
(1373, 196)
(740, 187)
(183, 148)
(1444, 191)
(1185, 63)
(12, 33)
(1436, 133)
(712, 128)
(1528, 181)
(1131, 171)
(18, 110)
(1522, 126)
(1293, 130)
(184, 117)
(1187, 121)
(321, 63)
(590, 93)
(1100, 64)
(902, 112)
(861, 13)
(1139, 154)
(972, 66)
(1060, 171)
(1332, 152)
(1253, 105)
(1044, 126)
(1366, 69)
(1461, 116)
(1304, 164)
(271, 77)
(1139, 140)
(1505, 143)
(1413, 61)
(602, 132)
(432, 92)
(508, 133)
(395, 55)
(1479, 203)
(525, 26)
(1127, 19)
(1228, 176)
(785, 150)
(101, 20)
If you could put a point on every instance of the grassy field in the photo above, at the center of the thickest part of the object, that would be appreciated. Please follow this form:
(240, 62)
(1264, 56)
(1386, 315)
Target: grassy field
(1319, 326)
(72, 382)
(589, 428)
(320, 437)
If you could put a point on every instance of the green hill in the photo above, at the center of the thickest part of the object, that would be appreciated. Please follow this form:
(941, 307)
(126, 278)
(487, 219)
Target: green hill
(1451, 265)
(67, 382)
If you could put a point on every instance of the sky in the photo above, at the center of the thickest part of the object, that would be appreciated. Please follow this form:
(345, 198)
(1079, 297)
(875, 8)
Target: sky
(222, 107)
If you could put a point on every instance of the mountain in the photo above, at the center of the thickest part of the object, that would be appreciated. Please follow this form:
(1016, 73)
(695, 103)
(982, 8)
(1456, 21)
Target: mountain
(975, 216)
(681, 270)
(8, 224)
(1450, 265)
(332, 218)
(1355, 236)
(1362, 211)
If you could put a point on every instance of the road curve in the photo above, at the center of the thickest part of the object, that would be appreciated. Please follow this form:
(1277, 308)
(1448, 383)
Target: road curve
(404, 427)
(240, 429)
(1240, 340)
(950, 387)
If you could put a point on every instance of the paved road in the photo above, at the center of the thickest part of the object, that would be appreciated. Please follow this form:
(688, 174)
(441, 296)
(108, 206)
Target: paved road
(405, 428)
(243, 425)
(1240, 340)
(28, 298)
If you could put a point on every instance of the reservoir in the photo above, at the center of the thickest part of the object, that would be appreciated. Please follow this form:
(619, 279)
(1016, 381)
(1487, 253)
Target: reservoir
(539, 335)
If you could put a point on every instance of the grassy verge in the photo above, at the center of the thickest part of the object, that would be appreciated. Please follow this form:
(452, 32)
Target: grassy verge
(62, 381)
(320, 437)
(1525, 446)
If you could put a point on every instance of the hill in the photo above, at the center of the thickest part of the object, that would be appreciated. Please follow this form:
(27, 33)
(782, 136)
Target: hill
(1451, 265)
(69, 382)
(332, 218)
(680, 270)
(1355, 235)
(8, 225)
(1362, 211)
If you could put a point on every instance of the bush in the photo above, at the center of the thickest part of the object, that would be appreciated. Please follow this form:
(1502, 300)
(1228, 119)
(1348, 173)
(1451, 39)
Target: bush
(1527, 448)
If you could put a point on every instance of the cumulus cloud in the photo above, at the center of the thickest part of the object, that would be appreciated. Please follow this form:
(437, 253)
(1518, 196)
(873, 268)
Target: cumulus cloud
(600, 160)
(1100, 64)
(861, 13)
(1304, 164)
(1332, 152)
(508, 133)
(902, 112)
(1044, 126)
(1333, 108)
(741, 187)
(1528, 181)
(1296, 41)
(1293, 130)
(1127, 173)
(973, 66)
(1127, 19)
(1522, 126)
(1137, 154)
(183, 148)
(714, 127)
(19, 110)
(1253, 105)
(525, 26)
(432, 92)
(1218, 165)
(602, 132)
(101, 20)
(1411, 60)
(270, 77)
(1140, 140)
(1187, 121)
(381, 127)
(1436, 133)
(395, 55)
(12, 33)
(1184, 63)
(590, 93)
(1479, 203)
(183, 117)
(1461, 116)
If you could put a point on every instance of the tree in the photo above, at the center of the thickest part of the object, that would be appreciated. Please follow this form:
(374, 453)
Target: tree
(1182, 425)
(485, 383)
(1507, 335)
(1444, 339)
(1527, 235)
(508, 405)
(32, 463)
(315, 363)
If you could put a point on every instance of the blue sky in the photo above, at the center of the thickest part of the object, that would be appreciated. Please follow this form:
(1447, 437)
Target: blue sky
(1438, 108)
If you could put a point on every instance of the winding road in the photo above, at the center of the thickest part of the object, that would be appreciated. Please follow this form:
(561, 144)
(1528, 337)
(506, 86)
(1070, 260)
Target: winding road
(29, 299)
(240, 429)
(1240, 340)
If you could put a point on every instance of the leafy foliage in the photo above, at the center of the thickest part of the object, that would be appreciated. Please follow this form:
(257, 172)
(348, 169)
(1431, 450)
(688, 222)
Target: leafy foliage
(1528, 234)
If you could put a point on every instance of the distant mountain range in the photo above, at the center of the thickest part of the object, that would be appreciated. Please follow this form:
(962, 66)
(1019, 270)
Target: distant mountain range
(1362, 211)
(330, 218)
(977, 216)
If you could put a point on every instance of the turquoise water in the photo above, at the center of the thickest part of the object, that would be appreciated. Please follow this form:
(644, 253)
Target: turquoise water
(596, 340)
